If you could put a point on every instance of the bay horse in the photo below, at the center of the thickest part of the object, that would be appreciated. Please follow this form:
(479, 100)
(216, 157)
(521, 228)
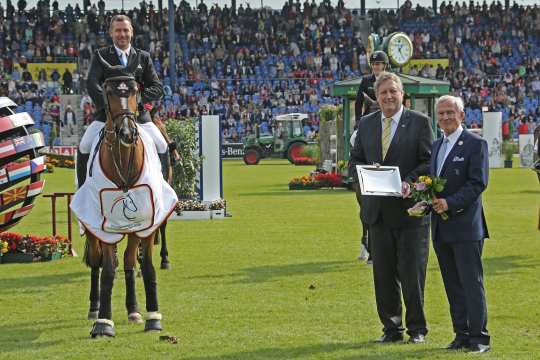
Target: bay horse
(121, 156)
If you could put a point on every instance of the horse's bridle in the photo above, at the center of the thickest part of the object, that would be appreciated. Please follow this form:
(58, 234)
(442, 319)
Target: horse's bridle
(127, 134)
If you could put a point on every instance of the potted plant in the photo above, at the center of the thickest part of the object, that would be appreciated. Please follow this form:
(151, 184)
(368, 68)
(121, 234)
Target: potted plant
(217, 209)
(508, 152)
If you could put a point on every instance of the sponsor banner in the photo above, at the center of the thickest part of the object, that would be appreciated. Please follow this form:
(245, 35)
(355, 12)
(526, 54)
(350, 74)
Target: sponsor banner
(526, 150)
(34, 69)
(13, 121)
(232, 150)
(492, 133)
(60, 150)
(421, 62)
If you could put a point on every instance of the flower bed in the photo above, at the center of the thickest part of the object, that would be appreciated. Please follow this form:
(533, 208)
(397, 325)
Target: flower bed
(16, 248)
(56, 160)
(316, 180)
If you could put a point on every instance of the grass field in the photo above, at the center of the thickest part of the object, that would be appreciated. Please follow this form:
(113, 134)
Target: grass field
(240, 287)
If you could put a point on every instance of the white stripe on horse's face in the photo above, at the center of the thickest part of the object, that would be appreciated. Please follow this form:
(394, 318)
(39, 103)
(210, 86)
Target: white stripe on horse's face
(124, 103)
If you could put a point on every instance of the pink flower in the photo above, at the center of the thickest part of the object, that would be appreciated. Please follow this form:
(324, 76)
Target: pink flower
(420, 186)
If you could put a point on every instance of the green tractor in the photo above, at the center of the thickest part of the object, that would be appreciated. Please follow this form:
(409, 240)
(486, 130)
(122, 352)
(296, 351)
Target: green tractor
(287, 141)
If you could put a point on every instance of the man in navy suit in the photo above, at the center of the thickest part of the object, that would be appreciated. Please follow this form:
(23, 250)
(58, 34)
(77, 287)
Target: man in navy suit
(461, 158)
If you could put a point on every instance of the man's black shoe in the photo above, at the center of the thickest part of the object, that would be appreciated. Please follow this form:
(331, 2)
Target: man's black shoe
(417, 339)
(390, 338)
(458, 344)
(478, 348)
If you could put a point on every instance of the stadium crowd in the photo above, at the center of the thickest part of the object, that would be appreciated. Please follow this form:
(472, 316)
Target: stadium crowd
(248, 65)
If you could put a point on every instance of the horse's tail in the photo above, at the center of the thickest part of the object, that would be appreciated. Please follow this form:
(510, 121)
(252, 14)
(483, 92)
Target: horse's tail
(92, 253)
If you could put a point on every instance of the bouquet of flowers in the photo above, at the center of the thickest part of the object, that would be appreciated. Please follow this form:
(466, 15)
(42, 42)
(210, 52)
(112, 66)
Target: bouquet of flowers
(423, 191)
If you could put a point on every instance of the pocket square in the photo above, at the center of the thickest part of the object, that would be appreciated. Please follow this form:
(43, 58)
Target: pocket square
(457, 158)
(139, 67)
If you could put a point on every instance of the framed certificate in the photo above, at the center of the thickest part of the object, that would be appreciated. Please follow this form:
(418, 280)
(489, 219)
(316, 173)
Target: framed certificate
(379, 180)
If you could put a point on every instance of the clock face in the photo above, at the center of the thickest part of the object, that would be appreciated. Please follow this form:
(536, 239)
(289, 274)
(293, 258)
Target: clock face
(400, 49)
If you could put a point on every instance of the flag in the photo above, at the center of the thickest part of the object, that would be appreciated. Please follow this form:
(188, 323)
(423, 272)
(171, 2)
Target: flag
(13, 195)
(3, 176)
(6, 217)
(35, 188)
(22, 211)
(38, 164)
(15, 120)
(18, 171)
(7, 149)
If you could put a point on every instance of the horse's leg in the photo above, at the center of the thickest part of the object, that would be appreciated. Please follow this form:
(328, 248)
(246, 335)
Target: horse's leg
(92, 258)
(164, 253)
(104, 326)
(130, 258)
(153, 318)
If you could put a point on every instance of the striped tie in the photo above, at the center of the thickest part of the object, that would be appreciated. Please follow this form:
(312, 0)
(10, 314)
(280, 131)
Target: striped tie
(386, 136)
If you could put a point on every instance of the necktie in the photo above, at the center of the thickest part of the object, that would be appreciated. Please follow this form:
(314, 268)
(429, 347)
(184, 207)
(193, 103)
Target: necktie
(386, 136)
(123, 59)
(441, 155)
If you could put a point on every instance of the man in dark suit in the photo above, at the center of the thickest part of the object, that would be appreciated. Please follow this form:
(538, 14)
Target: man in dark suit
(461, 158)
(396, 136)
(136, 63)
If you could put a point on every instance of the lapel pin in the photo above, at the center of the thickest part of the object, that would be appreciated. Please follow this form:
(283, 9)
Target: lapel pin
(460, 142)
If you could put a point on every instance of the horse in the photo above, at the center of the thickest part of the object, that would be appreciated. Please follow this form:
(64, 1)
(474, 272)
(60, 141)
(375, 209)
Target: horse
(121, 154)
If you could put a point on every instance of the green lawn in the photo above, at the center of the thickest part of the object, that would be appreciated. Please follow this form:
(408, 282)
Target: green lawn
(240, 287)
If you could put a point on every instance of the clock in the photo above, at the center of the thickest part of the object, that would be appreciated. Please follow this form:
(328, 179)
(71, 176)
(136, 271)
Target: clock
(400, 49)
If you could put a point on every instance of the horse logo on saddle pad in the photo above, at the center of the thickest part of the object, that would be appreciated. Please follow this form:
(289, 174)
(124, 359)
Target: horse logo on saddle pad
(127, 212)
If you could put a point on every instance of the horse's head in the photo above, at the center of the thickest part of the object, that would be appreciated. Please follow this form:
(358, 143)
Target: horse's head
(120, 94)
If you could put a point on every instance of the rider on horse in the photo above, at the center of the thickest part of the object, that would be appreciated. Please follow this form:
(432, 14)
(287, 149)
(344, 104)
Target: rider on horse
(136, 63)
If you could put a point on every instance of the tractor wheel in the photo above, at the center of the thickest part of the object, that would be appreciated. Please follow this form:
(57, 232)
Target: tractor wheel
(295, 151)
(252, 157)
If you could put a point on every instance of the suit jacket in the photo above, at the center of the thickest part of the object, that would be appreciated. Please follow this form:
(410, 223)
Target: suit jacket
(410, 150)
(466, 171)
(139, 65)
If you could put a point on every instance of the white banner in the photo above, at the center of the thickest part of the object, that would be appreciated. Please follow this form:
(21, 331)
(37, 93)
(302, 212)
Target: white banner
(210, 141)
(492, 133)
(526, 150)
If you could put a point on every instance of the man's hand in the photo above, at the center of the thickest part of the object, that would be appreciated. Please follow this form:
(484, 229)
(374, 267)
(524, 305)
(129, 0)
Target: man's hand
(440, 205)
(405, 189)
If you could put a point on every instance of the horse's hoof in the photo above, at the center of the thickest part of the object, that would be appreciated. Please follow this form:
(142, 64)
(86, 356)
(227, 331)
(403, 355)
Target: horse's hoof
(92, 315)
(135, 318)
(153, 322)
(103, 327)
(166, 265)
